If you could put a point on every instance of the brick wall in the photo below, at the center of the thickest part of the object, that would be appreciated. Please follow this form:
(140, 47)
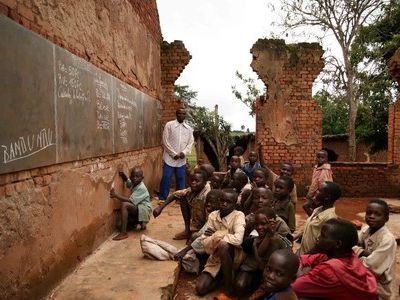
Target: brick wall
(174, 58)
(367, 179)
(394, 114)
(54, 216)
(288, 120)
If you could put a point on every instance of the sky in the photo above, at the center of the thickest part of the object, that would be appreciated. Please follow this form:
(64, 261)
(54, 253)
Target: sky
(219, 35)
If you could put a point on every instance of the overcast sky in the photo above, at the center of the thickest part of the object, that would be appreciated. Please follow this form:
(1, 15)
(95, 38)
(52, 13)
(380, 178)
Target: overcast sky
(219, 35)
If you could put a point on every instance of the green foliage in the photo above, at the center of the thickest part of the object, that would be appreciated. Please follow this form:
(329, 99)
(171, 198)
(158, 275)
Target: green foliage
(214, 129)
(251, 93)
(334, 113)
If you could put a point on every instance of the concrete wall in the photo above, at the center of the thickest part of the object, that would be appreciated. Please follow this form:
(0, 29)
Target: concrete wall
(52, 217)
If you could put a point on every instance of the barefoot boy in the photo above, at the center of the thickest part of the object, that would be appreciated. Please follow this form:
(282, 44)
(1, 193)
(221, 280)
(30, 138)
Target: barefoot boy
(192, 202)
(223, 239)
(137, 205)
(279, 273)
(377, 248)
(322, 172)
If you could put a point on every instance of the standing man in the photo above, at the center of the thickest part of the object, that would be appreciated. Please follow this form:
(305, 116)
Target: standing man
(177, 141)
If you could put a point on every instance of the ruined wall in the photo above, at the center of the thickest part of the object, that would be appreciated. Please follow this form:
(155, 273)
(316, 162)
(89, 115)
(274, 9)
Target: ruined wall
(288, 120)
(52, 217)
(174, 58)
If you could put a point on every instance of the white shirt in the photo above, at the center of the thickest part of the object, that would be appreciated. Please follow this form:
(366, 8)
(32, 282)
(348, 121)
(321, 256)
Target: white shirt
(177, 137)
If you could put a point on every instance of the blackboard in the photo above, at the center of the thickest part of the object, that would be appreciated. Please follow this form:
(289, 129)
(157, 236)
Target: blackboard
(58, 107)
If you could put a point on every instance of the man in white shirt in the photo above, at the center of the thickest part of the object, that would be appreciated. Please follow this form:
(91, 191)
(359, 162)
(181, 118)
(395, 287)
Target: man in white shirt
(177, 141)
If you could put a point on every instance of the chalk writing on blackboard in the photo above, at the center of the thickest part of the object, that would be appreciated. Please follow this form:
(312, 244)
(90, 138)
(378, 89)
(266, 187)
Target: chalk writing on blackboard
(103, 104)
(69, 85)
(25, 146)
(125, 110)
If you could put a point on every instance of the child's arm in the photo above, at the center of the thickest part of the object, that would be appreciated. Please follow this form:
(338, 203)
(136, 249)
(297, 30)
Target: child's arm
(381, 259)
(121, 198)
(292, 217)
(236, 238)
(158, 210)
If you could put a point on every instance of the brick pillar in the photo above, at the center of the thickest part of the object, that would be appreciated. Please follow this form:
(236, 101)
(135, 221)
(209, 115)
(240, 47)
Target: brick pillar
(288, 120)
(174, 58)
(394, 115)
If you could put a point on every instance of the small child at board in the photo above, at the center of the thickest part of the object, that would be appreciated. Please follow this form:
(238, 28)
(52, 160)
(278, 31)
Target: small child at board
(137, 205)
(238, 151)
(377, 248)
(322, 172)
(278, 275)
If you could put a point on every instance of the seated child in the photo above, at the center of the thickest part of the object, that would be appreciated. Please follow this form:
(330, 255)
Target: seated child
(279, 273)
(377, 248)
(240, 182)
(336, 272)
(282, 204)
(286, 170)
(238, 151)
(322, 172)
(200, 161)
(258, 249)
(259, 180)
(325, 199)
(222, 241)
(263, 197)
(216, 181)
(234, 167)
(212, 204)
(137, 205)
(192, 202)
(252, 165)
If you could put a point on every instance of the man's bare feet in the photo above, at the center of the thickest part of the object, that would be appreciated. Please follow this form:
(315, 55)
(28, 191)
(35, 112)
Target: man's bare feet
(120, 236)
(181, 236)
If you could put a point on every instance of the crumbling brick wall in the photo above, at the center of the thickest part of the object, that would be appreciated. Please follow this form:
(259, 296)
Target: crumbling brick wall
(394, 115)
(288, 120)
(174, 58)
(53, 216)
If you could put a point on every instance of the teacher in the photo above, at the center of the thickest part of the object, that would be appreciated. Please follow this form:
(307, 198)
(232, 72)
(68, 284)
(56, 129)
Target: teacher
(177, 142)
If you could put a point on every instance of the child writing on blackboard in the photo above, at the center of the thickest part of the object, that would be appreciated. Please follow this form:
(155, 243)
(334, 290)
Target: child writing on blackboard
(137, 205)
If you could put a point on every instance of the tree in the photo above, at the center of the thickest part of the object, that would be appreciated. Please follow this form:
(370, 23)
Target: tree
(344, 19)
(207, 125)
(251, 94)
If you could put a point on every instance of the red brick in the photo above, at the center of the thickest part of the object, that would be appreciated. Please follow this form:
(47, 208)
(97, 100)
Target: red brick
(9, 3)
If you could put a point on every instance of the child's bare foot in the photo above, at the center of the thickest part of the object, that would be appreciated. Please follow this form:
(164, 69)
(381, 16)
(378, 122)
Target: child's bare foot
(181, 236)
(120, 236)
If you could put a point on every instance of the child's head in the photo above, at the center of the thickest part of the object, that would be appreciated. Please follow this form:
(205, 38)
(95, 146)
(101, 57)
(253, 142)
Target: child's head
(337, 238)
(376, 214)
(286, 169)
(136, 176)
(216, 181)
(208, 169)
(238, 151)
(262, 197)
(283, 187)
(213, 199)
(239, 180)
(281, 269)
(260, 177)
(322, 157)
(198, 181)
(228, 202)
(234, 162)
(327, 194)
(253, 157)
(265, 221)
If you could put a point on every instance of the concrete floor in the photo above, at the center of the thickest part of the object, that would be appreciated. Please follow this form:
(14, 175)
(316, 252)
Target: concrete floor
(118, 270)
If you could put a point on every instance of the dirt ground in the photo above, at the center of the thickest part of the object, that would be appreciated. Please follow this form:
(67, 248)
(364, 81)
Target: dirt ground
(347, 208)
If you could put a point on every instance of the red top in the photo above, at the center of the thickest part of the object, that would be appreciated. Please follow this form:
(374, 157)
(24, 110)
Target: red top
(336, 278)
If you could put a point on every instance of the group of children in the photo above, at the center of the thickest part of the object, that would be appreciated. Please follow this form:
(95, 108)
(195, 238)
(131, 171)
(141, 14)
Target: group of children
(244, 223)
